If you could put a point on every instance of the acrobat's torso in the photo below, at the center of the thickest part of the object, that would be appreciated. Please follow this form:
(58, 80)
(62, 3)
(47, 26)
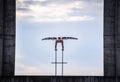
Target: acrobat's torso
(59, 41)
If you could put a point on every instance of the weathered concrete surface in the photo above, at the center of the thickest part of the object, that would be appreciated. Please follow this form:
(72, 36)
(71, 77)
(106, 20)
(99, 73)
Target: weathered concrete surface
(7, 37)
(59, 79)
(117, 33)
(112, 37)
(111, 57)
(1, 34)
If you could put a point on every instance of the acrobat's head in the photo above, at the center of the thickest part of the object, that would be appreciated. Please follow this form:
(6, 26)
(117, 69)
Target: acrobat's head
(59, 37)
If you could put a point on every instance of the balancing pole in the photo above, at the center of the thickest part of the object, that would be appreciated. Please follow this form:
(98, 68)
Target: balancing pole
(62, 62)
(55, 63)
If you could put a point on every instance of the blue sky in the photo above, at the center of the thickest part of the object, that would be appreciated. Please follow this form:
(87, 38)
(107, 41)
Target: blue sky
(37, 19)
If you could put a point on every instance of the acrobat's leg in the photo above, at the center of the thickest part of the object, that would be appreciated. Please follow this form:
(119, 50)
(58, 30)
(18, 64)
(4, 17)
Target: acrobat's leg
(56, 46)
(62, 46)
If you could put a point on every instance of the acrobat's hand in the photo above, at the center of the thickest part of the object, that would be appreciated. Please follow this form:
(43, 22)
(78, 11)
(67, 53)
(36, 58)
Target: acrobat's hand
(55, 49)
(62, 49)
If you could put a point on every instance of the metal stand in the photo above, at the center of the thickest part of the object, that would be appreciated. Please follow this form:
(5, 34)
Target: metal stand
(62, 63)
(56, 62)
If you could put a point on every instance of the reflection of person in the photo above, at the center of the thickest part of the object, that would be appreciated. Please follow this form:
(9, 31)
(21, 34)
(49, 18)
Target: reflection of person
(59, 40)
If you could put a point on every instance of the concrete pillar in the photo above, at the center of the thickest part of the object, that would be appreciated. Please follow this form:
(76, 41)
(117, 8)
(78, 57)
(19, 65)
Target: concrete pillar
(112, 38)
(109, 38)
(7, 37)
(1, 35)
(117, 33)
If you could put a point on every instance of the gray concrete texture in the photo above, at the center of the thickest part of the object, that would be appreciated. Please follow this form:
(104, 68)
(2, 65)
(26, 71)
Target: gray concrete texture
(59, 79)
(1, 35)
(7, 37)
(111, 38)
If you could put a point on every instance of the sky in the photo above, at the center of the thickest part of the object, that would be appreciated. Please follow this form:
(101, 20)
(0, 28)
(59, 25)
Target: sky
(37, 19)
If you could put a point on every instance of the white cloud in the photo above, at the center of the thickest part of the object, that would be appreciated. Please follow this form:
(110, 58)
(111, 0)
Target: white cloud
(54, 12)
(83, 71)
(80, 18)
(19, 57)
(23, 69)
(64, 19)
(20, 3)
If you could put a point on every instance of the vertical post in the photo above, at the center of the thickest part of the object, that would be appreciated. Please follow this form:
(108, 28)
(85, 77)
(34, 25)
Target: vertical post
(8, 37)
(1, 35)
(55, 63)
(116, 35)
(62, 62)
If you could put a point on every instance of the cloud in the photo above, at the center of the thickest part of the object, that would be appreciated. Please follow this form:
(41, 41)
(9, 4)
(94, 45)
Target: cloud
(19, 56)
(52, 12)
(83, 71)
(23, 9)
(23, 69)
(65, 19)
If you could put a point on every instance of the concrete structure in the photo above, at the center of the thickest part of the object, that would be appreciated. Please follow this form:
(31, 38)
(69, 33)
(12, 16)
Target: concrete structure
(111, 47)
(111, 37)
(7, 37)
(58, 79)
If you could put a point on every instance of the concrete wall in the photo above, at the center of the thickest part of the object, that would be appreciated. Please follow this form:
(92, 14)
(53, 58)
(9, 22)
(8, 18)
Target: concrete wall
(1, 34)
(109, 38)
(117, 33)
(112, 37)
(59, 79)
(7, 37)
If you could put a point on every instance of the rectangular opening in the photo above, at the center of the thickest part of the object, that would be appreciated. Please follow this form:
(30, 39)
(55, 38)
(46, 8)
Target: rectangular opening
(38, 19)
